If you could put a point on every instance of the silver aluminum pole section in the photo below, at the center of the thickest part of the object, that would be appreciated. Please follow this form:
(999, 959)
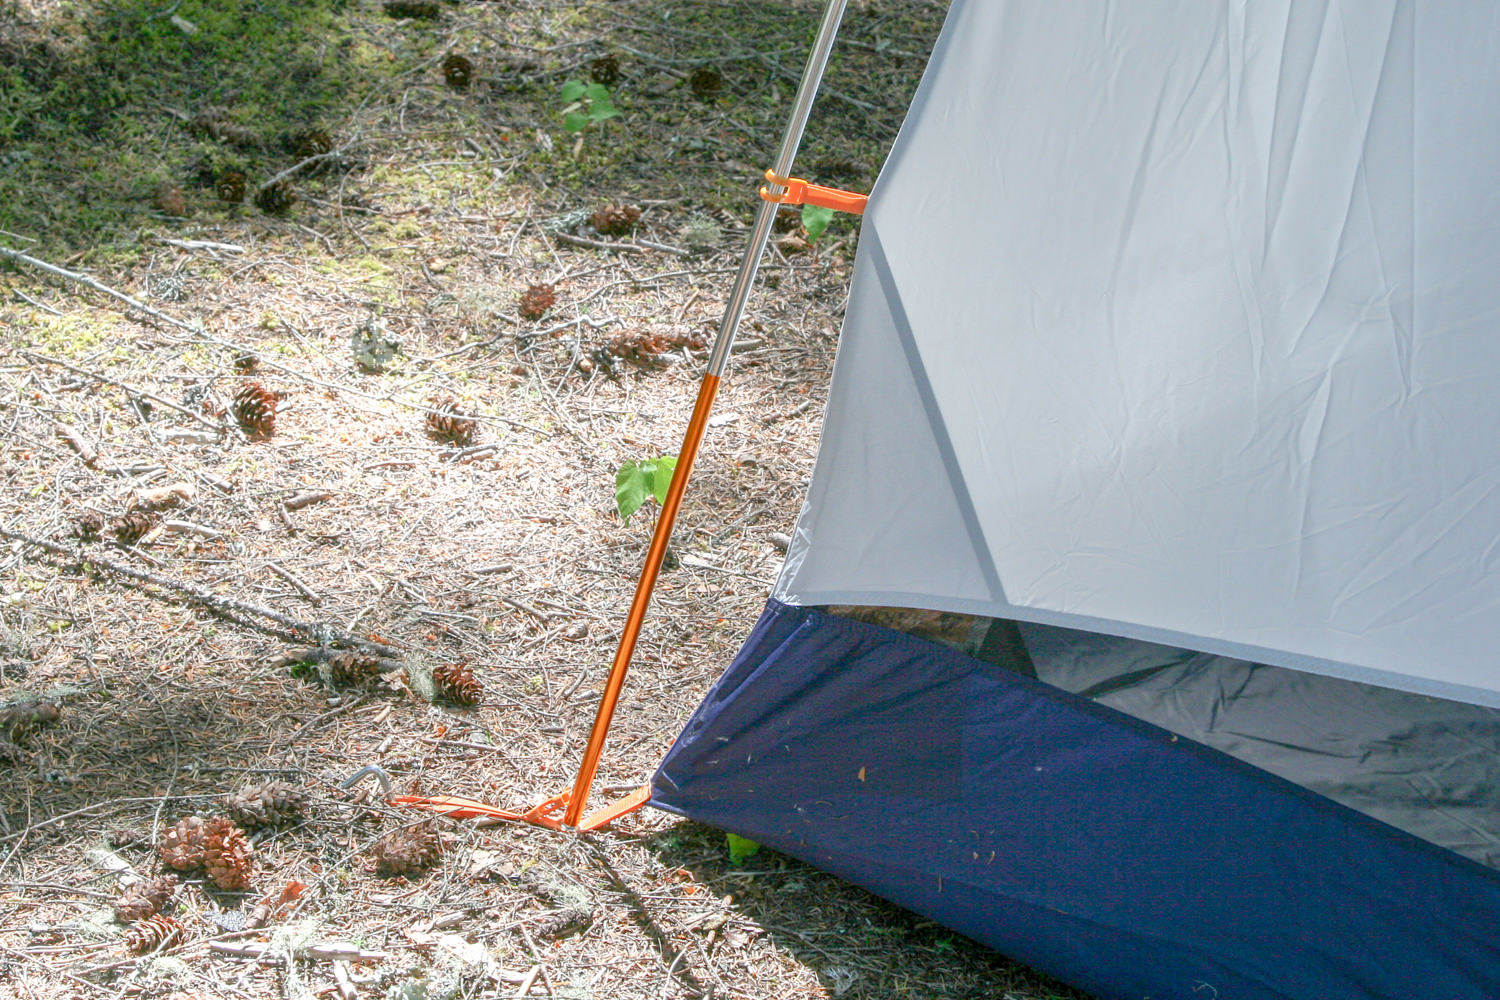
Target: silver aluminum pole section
(812, 76)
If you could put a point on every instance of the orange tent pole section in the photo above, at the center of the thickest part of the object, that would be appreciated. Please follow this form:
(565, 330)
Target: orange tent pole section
(654, 557)
(718, 361)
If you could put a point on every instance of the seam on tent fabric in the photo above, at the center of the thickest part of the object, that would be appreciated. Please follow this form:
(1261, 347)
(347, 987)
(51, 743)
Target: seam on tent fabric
(1153, 732)
(966, 508)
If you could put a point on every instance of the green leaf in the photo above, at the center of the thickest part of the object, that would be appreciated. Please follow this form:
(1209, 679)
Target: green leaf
(815, 219)
(575, 121)
(740, 848)
(573, 90)
(596, 92)
(599, 112)
(632, 486)
(661, 476)
(638, 480)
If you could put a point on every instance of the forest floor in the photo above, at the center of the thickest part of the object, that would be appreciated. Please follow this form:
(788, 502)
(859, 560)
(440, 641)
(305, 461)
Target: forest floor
(419, 197)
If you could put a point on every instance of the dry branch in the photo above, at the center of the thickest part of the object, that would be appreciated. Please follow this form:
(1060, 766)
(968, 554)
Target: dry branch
(85, 280)
(121, 385)
(317, 631)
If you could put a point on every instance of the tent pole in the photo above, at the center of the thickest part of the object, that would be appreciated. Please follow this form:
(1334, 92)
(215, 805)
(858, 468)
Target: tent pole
(718, 361)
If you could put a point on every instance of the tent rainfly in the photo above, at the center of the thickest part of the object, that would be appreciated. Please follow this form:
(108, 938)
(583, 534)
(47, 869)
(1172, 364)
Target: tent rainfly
(1173, 355)
(1169, 387)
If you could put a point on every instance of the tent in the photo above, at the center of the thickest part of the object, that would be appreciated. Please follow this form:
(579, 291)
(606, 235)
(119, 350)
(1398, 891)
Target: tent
(1172, 355)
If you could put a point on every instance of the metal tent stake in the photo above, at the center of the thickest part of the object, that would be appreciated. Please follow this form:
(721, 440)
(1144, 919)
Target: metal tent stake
(812, 76)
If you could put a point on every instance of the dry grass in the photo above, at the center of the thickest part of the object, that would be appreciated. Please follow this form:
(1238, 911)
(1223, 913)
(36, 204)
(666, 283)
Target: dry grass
(506, 555)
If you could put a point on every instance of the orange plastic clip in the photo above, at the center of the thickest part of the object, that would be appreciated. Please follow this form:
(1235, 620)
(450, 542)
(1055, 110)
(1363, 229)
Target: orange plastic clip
(800, 192)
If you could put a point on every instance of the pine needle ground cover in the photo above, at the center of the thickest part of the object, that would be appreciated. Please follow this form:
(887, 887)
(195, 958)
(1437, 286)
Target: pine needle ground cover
(338, 490)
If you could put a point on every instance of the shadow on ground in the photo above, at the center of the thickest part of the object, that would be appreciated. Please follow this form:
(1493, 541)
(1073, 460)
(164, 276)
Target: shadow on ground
(142, 114)
(110, 113)
(841, 931)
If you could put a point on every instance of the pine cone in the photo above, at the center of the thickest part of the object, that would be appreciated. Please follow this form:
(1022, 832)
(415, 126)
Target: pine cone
(644, 345)
(275, 199)
(457, 70)
(226, 854)
(351, 669)
(605, 70)
(537, 300)
(181, 847)
(230, 187)
(408, 851)
(270, 803)
(169, 200)
(216, 124)
(706, 82)
(448, 422)
(154, 933)
(423, 10)
(255, 409)
(132, 527)
(20, 719)
(311, 142)
(614, 220)
(145, 899)
(88, 526)
(455, 682)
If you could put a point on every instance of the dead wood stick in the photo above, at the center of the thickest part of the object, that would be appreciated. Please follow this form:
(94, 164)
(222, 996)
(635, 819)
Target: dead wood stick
(203, 245)
(343, 982)
(85, 280)
(529, 981)
(640, 246)
(317, 631)
(290, 577)
(295, 168)
(86, 452)
(305, 500)
(540, 616)
(191, 528)
(207, 422)
(321, 654)
(333, 951)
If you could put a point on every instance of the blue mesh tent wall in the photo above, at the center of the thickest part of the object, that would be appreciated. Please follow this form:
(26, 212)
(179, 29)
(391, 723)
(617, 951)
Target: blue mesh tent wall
(1172, 351)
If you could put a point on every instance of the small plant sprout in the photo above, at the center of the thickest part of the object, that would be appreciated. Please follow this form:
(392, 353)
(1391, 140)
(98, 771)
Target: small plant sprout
(585, 104)
(815, 219)
(740, 848)
(636, 481)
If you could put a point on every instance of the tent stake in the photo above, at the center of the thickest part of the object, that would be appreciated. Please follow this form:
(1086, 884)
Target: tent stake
(718, 361)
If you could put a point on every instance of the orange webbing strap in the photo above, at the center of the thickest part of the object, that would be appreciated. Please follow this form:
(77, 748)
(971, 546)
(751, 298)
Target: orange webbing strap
(620, 807)
(800, 192)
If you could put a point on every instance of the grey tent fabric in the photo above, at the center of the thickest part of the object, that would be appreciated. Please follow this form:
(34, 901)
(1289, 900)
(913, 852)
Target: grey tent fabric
(1425, 765)
(1175, 321)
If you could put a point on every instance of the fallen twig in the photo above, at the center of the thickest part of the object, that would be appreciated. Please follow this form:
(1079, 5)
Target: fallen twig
(333, 951)
(207, 422)
(86, 452)
(640, 246)
(305, 500)
(203, 245)
(84, 279)
(190, 528)
(290, 577)
(317, 631)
